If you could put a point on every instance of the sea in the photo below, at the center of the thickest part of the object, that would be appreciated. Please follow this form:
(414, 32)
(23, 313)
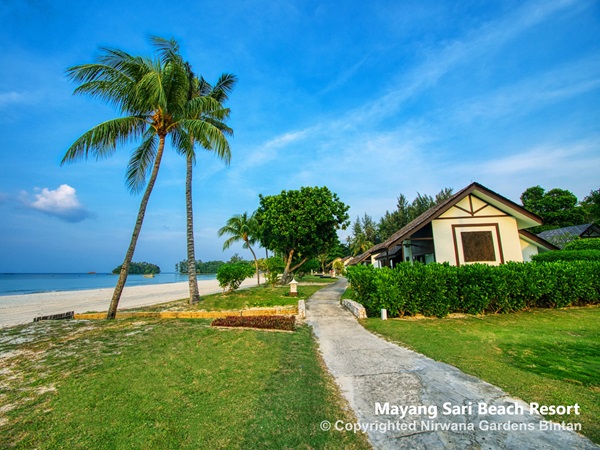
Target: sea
(31, 283)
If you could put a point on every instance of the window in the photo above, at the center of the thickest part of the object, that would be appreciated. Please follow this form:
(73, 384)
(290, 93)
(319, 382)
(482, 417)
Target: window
(478, 246)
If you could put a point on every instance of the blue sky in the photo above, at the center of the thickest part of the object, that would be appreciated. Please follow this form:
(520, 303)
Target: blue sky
(371, 99)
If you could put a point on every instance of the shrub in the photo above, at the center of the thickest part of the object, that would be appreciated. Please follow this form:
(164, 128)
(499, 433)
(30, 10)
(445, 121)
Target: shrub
(440, 289)
(275, 267)
(230, 276)
(263, 322)
(568, 255)
(362, 279)
(584, 244)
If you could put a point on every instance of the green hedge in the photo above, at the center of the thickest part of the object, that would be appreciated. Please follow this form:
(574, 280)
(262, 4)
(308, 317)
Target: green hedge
(568, 255)
(440, 289)
(584, 244)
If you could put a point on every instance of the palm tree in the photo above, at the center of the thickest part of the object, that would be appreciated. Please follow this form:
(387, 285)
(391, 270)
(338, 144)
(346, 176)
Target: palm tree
(152, 95)
(241, 228)
(220, 92)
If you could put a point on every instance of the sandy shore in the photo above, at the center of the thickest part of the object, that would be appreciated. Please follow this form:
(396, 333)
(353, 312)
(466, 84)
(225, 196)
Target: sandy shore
(17, 309)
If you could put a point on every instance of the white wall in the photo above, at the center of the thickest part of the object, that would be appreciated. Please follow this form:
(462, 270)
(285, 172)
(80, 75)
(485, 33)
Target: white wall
(528, 250)
(506, 237)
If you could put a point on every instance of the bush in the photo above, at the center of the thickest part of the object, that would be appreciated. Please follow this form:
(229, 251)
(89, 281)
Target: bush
(584, 244)
(263, 322)
(440, 289)
(568, 255)
(230, 276)
(362, 281)
(275, 267)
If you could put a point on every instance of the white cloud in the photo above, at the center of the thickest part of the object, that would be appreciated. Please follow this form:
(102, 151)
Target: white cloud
(9, 98)
(61, 202)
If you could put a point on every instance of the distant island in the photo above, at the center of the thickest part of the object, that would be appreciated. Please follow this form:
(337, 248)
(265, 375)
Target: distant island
(139, 268)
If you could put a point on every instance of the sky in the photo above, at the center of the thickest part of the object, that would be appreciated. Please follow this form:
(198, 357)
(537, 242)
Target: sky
(371, 99)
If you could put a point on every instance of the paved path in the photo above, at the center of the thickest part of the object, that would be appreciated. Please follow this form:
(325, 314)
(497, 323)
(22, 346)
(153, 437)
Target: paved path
(370, 370)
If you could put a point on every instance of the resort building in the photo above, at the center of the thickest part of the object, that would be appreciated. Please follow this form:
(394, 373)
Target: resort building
(475, 225)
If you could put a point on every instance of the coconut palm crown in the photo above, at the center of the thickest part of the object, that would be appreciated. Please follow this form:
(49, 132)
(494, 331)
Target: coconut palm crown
(152, 96)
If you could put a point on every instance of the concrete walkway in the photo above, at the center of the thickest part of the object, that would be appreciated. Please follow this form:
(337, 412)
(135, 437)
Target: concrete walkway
(372, 371)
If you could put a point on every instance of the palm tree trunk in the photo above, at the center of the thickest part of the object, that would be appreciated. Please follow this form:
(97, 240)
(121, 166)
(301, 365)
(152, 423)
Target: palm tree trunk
(255, 265)
(193, 282)
(114, 303)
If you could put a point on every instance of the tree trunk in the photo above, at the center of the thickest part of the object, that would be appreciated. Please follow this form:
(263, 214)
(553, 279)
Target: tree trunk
(193, 282)
(255, 264)
(286, 271)
(114, 303)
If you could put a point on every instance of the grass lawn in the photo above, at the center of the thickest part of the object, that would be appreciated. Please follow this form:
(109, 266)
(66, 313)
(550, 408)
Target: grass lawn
(263, 296)
(167, 384)
(547, 356)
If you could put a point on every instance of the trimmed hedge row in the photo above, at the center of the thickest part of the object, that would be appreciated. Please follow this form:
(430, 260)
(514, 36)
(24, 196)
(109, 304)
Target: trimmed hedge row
(567, 255)
(440, 289)
(584, 244)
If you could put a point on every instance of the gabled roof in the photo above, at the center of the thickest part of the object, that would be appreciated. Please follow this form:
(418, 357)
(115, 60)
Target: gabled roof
(525, 219)
(360, 258)
(575, 230)
(537, 240)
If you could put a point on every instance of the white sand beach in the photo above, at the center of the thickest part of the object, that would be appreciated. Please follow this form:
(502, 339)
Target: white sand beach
(18, 309)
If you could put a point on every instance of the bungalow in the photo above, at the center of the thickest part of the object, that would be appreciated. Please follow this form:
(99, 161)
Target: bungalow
(475, 225)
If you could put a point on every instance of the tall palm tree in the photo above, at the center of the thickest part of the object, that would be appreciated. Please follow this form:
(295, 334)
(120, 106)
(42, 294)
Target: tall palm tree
(152, 96)
(220, 93)
(241, 228)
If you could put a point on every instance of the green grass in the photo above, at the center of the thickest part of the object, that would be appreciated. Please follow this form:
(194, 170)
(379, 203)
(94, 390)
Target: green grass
(167, 384)
(263, 296)
(315, 279)
(546, 356)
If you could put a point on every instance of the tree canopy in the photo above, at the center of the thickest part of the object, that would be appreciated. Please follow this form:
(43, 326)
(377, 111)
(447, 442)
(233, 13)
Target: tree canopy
(301, 223)
(201, 267)
(365, 233)
(557, 207)
(591, 206)
(139, 268)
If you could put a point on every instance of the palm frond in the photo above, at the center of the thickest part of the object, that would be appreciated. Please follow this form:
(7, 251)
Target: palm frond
(141, 162)
(223, 87)
(167, 49)
(201, 131)
(102, 140)
(182, 143)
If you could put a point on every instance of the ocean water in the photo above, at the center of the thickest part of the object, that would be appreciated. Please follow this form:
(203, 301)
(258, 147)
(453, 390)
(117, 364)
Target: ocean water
(29, 283)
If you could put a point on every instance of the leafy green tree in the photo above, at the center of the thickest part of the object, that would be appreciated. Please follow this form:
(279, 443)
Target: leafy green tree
(393, 221)
(591, 206)
(406, 212)
(310, 265)
(220, 93)
(139, 268)
(301, 223)
(201, 266)
(152, 95)
(274, 266)
(364, 235)
(557, 207)
(242, 228)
